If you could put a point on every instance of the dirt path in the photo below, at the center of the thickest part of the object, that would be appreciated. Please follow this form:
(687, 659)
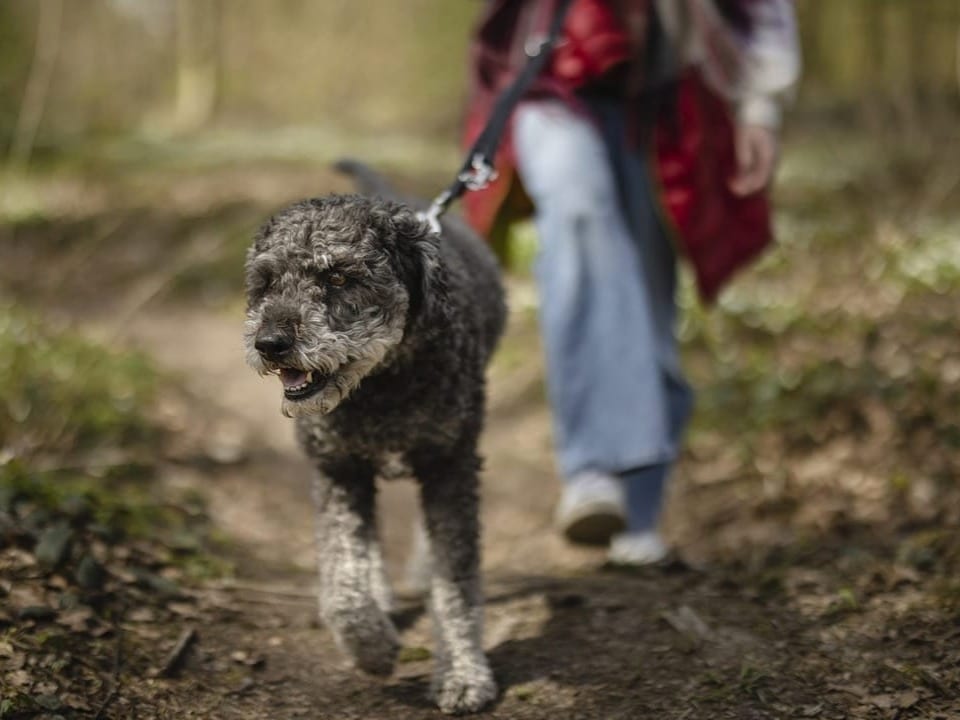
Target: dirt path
(535, 583)
(264, 508)
(816, 505)
(567, 638)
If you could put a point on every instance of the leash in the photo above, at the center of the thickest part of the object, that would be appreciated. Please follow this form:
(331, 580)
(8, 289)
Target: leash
(478, 170)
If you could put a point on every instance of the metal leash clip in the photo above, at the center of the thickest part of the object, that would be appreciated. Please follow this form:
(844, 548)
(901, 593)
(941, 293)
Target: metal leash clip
(535, 45)
(480, 174)
(431, 216)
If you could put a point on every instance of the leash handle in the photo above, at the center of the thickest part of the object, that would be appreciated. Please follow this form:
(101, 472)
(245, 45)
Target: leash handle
(478, 169)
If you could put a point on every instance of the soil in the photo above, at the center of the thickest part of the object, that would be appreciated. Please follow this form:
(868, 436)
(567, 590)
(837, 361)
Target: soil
(797, 589)
(834, 628)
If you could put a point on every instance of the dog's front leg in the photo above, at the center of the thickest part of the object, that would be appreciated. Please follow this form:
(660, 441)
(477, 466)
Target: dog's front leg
(463, 681)
(351, 600)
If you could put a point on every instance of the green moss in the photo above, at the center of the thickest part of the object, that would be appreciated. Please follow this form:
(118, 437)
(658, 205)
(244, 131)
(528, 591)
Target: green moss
(60, 393)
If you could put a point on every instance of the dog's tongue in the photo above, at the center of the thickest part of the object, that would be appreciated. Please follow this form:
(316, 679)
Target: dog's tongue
(291, 377)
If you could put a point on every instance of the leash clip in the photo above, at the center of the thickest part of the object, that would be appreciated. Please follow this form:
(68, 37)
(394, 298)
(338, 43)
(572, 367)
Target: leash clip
(431, 216)
(480, 174)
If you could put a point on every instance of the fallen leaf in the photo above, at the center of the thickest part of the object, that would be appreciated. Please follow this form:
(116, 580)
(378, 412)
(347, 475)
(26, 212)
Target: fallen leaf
(183, 609)
(75, 702)
(858, 690)
(19, 678)
(76, 620)
(907, 699)
(884, 701)
(142, 615)
(48, 702)
(45, 688)
(37, 612)
(53, 545)
(250, 660)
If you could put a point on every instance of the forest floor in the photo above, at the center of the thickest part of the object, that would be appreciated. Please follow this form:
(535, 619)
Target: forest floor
(814, 513)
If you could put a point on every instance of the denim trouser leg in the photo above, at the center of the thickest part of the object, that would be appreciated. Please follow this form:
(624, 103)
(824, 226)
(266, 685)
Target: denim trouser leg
(606, 277)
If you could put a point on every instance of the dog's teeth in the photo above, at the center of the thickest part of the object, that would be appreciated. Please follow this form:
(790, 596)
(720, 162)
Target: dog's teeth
(309, 377)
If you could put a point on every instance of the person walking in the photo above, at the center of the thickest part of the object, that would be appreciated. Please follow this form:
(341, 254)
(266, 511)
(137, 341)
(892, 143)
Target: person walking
(653, 131)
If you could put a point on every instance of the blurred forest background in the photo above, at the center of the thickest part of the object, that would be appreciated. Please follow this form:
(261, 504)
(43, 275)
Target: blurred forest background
(148, 485)
(75, 74)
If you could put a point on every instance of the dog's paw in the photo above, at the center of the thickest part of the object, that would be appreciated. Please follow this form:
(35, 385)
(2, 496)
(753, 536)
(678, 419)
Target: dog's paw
(461, 691)
(369, 638)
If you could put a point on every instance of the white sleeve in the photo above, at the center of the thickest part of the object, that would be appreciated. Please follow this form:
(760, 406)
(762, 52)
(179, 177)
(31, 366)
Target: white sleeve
(771, 63)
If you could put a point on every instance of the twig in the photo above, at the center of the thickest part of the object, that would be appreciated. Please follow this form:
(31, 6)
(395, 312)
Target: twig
(175, 658)
(111, 696)
(81, 253)
(279, 601)
(198, 251)
(686, 622)
(278, 590)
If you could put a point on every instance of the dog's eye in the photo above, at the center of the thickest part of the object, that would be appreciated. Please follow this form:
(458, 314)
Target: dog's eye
(337, 279)
(261, 283)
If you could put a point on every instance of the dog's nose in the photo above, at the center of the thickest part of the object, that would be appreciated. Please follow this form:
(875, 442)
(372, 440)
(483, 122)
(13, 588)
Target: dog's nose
(273, 344)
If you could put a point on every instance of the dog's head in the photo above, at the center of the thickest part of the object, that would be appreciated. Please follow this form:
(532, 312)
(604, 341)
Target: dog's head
(334, 286)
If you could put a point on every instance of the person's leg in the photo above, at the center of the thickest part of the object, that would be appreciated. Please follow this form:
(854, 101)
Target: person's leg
(645, 485)
(641, 542)
(605, 384)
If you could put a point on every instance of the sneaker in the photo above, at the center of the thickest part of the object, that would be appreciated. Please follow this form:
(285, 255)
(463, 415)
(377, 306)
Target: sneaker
(637, 548)
(591, 510)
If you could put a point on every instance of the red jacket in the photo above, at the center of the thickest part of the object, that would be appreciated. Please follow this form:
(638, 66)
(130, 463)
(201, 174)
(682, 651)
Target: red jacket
(694, 156)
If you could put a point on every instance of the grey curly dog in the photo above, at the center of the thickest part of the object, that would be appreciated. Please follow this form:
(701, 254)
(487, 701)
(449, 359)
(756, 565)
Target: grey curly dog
(380, 332)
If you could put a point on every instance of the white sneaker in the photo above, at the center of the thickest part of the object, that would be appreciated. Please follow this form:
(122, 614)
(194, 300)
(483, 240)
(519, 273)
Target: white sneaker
(591, 509)
(637, 548)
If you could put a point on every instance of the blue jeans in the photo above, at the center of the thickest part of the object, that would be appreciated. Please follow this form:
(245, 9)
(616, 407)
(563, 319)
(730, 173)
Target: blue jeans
(606, 272)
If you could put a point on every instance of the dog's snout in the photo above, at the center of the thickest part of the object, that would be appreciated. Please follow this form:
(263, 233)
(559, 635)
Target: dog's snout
(273, 343)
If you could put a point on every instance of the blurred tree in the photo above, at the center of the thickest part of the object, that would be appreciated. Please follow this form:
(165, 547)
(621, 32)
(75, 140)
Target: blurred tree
(374, 66)
(957, 63)
(889, 61)
(198, 63)
(46, 51)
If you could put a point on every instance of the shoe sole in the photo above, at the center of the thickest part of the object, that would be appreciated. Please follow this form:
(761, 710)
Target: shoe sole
(650, 559)
(594, 524)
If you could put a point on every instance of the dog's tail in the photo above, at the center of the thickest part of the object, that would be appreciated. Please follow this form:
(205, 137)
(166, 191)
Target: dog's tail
(368, 180)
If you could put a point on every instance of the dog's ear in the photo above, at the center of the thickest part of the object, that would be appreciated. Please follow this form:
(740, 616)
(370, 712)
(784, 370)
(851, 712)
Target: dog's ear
(419, 260)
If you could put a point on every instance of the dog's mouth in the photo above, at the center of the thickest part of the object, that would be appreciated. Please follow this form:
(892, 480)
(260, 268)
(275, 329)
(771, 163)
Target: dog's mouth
(301, 384)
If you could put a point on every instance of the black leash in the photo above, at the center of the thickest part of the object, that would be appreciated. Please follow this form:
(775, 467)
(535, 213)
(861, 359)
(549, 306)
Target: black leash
(478, 171)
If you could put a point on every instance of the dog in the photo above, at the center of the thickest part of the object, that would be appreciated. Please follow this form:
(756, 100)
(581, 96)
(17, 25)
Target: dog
(380, 331)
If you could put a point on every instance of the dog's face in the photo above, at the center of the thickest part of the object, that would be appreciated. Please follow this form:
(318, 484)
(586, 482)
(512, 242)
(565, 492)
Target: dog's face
(332, 286)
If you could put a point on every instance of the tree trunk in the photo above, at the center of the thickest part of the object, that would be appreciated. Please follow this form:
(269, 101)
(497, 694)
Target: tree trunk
(198, 29)
(45, 54)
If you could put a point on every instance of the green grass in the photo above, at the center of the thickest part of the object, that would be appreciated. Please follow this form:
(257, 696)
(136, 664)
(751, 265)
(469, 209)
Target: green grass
(850, 310)
(62, 394)
(79, 443)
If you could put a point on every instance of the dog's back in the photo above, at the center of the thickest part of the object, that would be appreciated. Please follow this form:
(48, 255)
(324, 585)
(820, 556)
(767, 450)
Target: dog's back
(467, 259)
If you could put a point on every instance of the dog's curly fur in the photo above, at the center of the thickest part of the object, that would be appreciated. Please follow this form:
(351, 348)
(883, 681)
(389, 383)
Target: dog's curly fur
(395, 326)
